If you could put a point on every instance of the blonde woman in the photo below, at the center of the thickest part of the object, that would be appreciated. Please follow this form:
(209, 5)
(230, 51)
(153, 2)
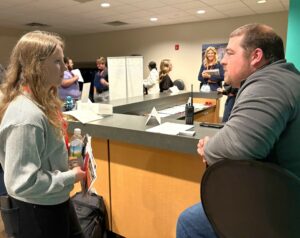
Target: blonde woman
(33, 152)
(211, 62)
(165, 82)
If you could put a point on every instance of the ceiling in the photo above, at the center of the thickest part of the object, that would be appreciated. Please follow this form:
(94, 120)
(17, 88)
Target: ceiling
(74, 17)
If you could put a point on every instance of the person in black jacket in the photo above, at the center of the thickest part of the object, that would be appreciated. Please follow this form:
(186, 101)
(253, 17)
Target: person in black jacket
(165, 82)
(231, 95)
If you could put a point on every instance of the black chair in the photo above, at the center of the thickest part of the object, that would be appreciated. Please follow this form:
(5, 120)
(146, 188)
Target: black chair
(179, 83)
(251, 199)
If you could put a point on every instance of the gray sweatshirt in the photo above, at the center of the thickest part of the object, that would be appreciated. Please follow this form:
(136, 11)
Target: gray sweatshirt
(34, 160)
(265, 120)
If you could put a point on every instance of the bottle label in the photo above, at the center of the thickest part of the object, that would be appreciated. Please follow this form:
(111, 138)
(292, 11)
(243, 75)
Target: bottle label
(76, 148)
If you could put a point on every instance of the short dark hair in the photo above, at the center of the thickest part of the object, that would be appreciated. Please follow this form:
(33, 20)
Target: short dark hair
(66, 60)
(263, 37)
(152, 65)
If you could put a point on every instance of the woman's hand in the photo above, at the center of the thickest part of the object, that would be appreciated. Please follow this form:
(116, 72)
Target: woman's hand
(205, 75)
(79, 174)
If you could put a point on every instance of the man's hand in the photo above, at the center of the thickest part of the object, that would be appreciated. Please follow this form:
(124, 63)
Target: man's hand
(200, 147)
(220, 90)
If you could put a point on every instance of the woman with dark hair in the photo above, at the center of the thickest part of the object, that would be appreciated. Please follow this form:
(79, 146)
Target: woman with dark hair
(151, 83)
(2, 73)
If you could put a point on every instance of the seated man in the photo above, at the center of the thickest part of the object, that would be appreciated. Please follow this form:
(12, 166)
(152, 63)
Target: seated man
(265, 120)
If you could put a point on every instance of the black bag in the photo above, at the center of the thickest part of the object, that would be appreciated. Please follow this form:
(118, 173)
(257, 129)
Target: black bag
(92, 214)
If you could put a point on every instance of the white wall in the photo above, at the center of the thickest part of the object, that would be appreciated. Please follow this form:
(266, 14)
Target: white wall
(156, 43)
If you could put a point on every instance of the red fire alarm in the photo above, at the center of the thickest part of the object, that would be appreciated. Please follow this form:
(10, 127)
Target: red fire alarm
(176, 46)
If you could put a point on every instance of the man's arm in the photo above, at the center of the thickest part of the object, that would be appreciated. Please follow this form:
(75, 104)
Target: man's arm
(257, 120)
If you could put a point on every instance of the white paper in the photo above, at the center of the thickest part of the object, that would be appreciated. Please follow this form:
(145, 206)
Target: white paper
(85, 92)
(78, 73)
(154, 114)
(174, 89)
(173, 110)
(212, 72)
(105, 109)
(170, 128)
(84, 116)
(97, 108)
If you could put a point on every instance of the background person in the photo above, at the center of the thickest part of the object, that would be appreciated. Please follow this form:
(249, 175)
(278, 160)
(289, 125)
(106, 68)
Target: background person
(101, 84)
(152, 81)
(2, 73)
(211, 62)
(231, 95)
(165, 82)
(2, 186)
(69, 85)
(33, 152)
(265, 120)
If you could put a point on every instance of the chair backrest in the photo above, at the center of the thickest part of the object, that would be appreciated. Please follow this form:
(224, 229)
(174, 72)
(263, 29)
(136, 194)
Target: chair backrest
(179, 83)
(247, 199)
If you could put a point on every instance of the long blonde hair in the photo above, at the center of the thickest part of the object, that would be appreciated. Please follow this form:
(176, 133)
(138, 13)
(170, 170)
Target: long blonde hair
(25, 70)
(213, 49)
(165, 68)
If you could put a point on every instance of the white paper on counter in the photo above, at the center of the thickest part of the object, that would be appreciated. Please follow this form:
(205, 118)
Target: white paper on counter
(170, 128)
(84, 116)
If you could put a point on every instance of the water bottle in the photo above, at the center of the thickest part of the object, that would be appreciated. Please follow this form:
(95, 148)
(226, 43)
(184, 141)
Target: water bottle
(76, 144)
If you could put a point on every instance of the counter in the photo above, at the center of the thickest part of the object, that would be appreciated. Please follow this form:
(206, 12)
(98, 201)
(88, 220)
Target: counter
(146, 179)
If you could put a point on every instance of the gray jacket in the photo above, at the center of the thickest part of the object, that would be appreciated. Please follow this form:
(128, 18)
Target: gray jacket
(265, 120)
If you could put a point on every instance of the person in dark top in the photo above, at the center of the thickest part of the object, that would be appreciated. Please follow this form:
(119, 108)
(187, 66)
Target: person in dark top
(165, 82)
(2, 73)
(101, 84)
(231, 93)
(210, 62)
(2, 186)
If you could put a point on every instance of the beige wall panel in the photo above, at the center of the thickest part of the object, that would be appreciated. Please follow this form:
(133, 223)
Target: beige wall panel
(149, 189)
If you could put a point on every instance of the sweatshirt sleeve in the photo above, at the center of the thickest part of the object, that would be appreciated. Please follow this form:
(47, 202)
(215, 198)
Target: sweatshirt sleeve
(23, 171)
(257, 121)
(200, 78)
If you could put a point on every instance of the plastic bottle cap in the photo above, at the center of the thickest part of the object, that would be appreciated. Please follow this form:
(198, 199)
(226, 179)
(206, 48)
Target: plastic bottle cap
(77, 131)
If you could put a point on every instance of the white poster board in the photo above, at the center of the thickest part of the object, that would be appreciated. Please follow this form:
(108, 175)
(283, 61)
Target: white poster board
(117, 77)
(125, 76)
(134, 76)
